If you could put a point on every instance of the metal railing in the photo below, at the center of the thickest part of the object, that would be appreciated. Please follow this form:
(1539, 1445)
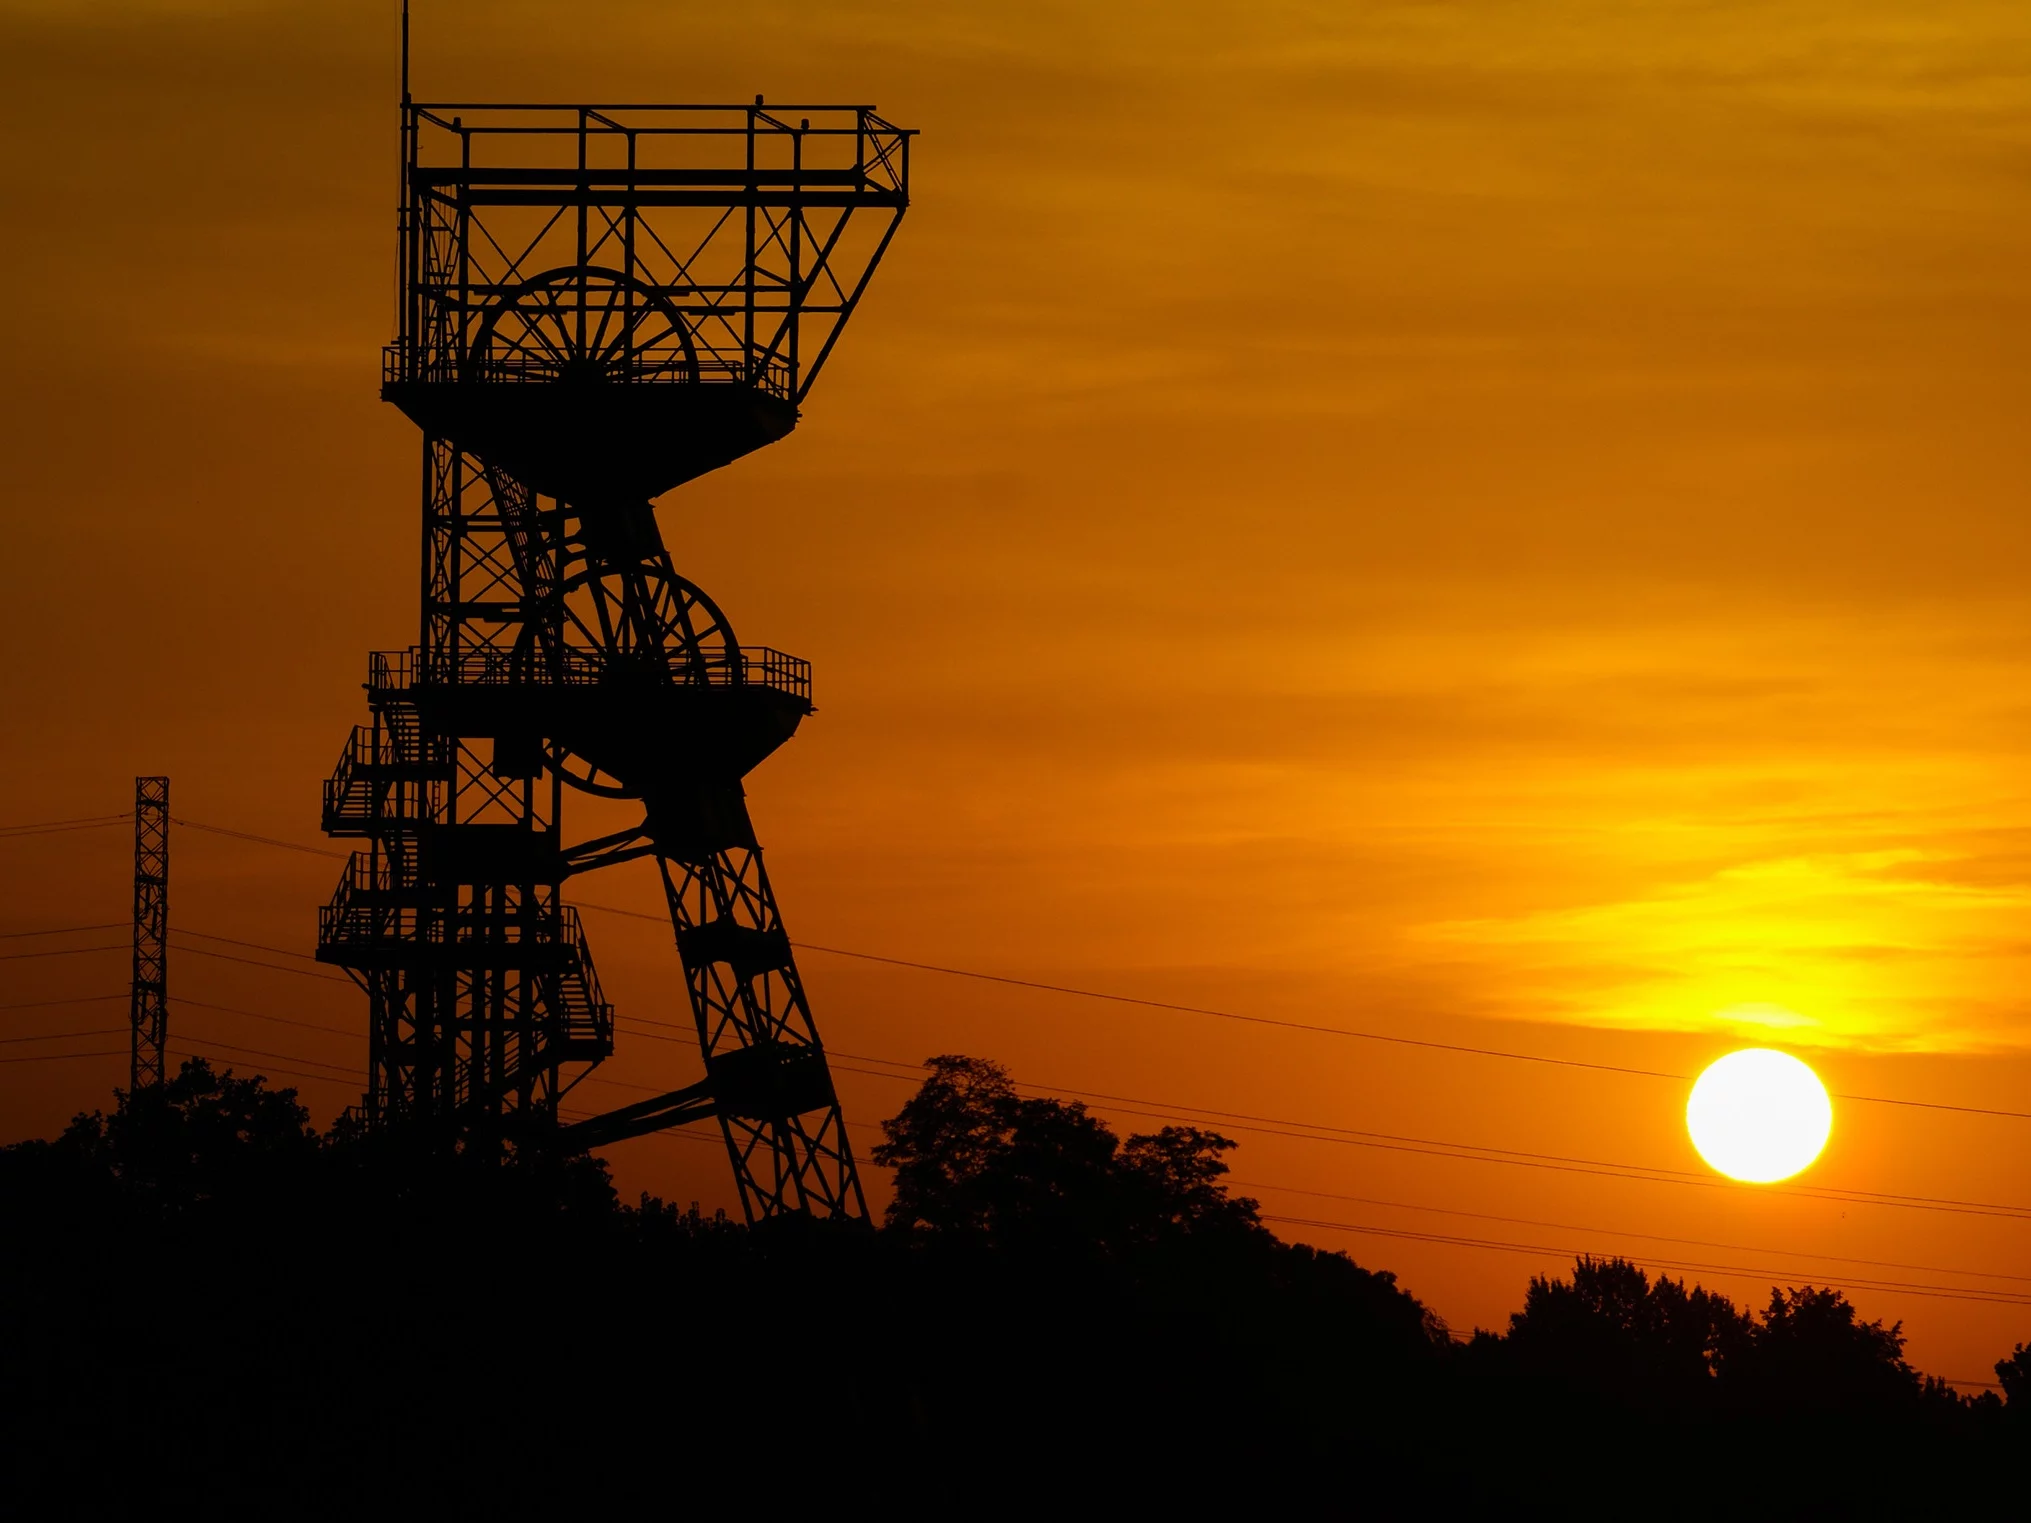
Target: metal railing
(367, 787)
(404, 363)
(598, 1012)
(393, 671)
(362, 908)
(373, 904)
(831, 144)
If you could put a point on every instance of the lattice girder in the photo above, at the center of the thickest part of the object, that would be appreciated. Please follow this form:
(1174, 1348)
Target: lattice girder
(597, 305)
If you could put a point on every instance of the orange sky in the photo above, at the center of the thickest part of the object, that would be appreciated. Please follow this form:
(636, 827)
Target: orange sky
(1498, 524)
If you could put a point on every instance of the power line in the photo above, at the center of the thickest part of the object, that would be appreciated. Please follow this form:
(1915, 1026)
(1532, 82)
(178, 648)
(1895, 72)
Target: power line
(1937, 1105)
(78, 999)
(1158, 1004)
(1281, 1126)
(294, 1073)
(177, 999)
(1431, 1147)
(634, 1020)
(248, 835)
(1938, 1292)
(258, 946)
(1933, 1291)
(337, 978)
(1314, 1131)
(1233, 1015)
(59, 1057)
(340, 1071)
(1161, 1110)
(76, 819)
(1890, 1287)
(54, 827)
(1690, 1242)
(1636, 1172)
(65, 930)
(340, 1076)
(647, 1089)
(614, 909)
(1444, 1149)
(1992, 1296)
(1866, 1284)
(1353, 1033)
(61, 952)
(63, 1036)
(1339, 1031)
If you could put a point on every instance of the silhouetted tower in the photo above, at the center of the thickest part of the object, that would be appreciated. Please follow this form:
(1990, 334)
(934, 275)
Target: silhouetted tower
(148, 997)
(599, 304)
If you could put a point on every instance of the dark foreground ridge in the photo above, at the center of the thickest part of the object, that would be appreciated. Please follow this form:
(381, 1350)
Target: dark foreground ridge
(205, 1302)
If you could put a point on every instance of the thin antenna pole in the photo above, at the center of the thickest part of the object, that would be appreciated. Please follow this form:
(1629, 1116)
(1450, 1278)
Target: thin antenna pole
(402, 194)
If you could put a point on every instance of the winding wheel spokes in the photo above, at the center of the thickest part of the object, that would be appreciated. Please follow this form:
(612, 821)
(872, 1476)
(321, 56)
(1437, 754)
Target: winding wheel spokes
(582, 323)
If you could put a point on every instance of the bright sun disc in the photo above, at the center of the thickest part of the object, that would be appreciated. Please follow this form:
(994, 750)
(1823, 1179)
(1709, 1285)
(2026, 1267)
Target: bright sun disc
(1759, 1115)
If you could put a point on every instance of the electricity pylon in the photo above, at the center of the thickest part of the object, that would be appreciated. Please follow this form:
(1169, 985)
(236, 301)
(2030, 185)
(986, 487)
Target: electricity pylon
(148, 993)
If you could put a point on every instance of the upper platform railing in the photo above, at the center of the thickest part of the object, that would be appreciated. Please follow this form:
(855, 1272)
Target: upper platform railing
(668, 146)
(712, 244)
(641, 368)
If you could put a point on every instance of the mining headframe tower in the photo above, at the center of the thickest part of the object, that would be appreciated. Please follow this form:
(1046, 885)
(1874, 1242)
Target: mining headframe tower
(597, 305)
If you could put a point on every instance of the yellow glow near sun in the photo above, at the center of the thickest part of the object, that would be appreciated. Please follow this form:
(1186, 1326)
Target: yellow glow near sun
(1759, 1115)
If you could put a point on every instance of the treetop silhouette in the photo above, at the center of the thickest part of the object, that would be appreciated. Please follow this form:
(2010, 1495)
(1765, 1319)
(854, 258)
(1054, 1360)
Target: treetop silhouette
(976, 1162)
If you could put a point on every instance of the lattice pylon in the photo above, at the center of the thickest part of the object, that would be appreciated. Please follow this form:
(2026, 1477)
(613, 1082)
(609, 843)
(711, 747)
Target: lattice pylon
(148, 1002)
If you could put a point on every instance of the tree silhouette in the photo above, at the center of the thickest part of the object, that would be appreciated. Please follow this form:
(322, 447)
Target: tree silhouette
(976, 1162)
(1611, 1331)
(1041, 1246)
(196, 1136)
(2014, 1374)
(1813, 1353)
(1172, 1180)
(1047, 1303)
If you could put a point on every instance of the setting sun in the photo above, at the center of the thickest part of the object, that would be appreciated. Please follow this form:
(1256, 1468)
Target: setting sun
(1172, 729)
(1759, 1115)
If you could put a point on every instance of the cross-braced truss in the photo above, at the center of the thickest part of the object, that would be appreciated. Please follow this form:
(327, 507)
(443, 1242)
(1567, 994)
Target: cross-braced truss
(599, 303)
(148, 998)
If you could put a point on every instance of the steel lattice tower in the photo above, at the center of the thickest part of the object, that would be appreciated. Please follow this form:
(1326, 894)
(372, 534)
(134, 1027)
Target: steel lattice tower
(148, 997)
(598, 304)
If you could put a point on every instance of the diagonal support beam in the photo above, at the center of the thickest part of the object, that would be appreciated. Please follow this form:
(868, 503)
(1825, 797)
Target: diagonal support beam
(679, 1107)
(605, 851)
